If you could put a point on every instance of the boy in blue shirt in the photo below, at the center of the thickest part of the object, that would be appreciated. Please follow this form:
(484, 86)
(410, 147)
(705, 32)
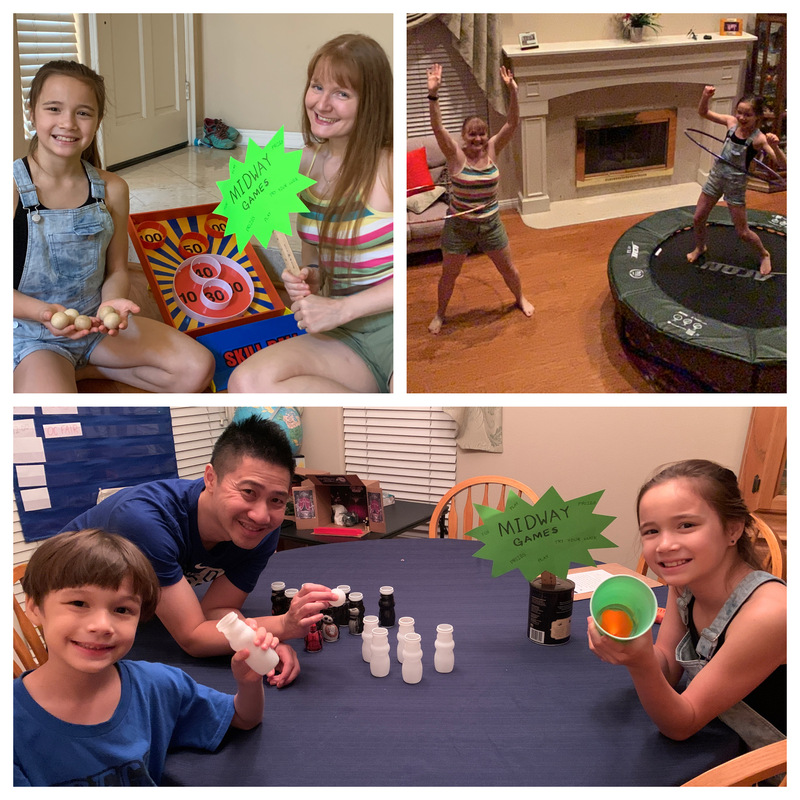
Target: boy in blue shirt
(86, 717)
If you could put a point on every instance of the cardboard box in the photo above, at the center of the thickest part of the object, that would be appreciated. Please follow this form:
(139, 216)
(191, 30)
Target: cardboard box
(317, 494)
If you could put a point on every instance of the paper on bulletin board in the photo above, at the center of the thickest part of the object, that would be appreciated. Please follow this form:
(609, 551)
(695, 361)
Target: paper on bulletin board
(35, 499)
(29, 475)
(28, 450)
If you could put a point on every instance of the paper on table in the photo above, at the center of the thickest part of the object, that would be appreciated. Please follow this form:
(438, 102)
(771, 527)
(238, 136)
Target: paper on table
(588, 581)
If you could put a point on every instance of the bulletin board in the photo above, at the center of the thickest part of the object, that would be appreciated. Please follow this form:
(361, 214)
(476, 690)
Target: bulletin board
(63, 456)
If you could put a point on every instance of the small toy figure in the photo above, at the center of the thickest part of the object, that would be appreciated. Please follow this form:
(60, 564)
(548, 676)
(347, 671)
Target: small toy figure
(330, 630)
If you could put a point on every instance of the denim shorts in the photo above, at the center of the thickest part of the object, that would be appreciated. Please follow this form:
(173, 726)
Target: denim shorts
(461, 235)
(732, 187)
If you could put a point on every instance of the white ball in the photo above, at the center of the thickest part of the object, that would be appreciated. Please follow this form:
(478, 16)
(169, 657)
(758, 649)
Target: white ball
(111, 320)
(72, 313)
(60, 320)
(106, 310)
(340, 598)
(82, 322)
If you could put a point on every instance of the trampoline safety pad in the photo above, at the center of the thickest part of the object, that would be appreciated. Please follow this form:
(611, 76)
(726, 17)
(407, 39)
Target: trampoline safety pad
(717, 325)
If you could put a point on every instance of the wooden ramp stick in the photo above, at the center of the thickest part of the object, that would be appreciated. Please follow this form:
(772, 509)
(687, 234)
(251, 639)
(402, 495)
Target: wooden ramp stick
(289, 260)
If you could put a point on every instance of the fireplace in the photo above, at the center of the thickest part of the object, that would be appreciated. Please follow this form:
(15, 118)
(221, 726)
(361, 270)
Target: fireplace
(560, 82)
(626, 146)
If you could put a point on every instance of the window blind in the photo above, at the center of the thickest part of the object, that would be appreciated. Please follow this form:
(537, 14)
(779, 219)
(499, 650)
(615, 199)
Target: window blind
(42, 38)
(460, 96)
(411, 451)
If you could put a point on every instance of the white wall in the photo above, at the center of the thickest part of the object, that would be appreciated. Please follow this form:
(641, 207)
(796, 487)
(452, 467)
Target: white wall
(584, 450)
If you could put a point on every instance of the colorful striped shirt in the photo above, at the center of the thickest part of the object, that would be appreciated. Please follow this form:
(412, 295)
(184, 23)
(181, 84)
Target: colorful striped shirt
(472, 188)
(361, 260)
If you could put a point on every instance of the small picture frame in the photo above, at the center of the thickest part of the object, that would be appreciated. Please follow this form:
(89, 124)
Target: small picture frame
(528, 41)
(730, 26)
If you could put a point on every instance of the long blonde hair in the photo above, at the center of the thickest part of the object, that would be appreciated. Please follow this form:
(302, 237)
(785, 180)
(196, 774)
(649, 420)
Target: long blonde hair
(360, 63)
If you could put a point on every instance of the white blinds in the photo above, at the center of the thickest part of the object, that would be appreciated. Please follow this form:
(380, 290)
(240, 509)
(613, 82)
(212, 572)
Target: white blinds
(42, 38)
(460, 95)
(411, 451)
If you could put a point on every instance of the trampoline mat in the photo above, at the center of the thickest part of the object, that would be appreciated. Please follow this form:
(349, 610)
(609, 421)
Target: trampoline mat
(725, 284)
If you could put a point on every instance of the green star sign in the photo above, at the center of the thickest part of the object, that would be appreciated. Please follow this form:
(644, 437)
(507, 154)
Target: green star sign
(261, 192)
(544, 537)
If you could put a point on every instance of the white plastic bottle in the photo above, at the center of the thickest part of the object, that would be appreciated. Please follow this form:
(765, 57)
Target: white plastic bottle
(404, 625)
(444, 659)
(379, 662)
(370, 623)
(412, 658)
(240, 635)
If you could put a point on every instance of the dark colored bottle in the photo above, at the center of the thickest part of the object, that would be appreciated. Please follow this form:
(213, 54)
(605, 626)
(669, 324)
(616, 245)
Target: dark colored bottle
(356, 604)
(280, 603)
(386, 607)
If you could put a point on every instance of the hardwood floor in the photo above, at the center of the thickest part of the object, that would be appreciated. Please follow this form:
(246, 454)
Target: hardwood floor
(569, 346)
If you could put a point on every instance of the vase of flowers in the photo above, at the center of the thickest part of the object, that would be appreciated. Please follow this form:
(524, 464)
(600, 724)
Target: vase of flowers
(633, 25)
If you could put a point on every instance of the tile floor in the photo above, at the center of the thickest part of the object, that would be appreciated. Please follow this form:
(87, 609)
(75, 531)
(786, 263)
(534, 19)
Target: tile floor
(187, 177)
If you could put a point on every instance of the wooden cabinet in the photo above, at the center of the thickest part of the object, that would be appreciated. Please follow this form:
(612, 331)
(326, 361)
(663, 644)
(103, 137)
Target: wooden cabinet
(762, 477)
(767, 73)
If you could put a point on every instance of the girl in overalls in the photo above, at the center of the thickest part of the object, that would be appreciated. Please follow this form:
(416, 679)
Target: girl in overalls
(728, 176)
(725, 621)
(70, 251)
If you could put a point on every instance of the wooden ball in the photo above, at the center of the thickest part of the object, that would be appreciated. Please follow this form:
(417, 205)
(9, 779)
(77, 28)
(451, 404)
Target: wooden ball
(72, 313)
(60, 320)
(112, 320)
(82, 322)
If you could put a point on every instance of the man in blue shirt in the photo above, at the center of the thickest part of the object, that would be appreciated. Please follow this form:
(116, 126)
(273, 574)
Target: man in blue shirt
(220, 529)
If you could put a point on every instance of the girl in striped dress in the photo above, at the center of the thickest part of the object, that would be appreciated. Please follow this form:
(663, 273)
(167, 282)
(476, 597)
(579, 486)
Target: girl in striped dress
(475, 217)
(343, 297)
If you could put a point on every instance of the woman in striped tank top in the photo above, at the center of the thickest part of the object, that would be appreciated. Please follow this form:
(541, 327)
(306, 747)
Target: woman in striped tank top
(343, 297)
(474, 214)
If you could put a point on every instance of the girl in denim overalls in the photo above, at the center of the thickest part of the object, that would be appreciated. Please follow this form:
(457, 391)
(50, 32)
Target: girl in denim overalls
(728, 176)
(725, 621)
(70, 251)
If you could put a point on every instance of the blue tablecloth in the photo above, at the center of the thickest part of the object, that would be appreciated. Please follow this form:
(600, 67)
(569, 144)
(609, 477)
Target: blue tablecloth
(512, 713)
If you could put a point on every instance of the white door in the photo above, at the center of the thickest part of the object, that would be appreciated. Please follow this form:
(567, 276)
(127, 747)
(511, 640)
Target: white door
(142, 58)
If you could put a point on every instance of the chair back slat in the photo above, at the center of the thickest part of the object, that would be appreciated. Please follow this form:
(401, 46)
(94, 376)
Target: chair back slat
(457, 504)
(29, 649)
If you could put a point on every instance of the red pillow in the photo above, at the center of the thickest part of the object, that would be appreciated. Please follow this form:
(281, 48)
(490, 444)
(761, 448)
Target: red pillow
(418, 176)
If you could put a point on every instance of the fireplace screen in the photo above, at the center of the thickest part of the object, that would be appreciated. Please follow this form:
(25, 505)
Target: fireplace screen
(616, 147)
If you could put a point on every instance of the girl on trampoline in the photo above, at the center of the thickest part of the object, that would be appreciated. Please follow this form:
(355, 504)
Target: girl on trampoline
(728, 176)
(474, 216)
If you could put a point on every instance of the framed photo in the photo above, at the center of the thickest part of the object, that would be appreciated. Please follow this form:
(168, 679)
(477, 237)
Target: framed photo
(729, 26)
(527, 41)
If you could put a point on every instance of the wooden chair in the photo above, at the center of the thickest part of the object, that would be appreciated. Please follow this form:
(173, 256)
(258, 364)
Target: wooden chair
(29, 649)
(747, 770)
(777, 563)
(462, 516)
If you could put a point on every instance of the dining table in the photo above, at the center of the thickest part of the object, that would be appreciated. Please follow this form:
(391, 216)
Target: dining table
(511, 713)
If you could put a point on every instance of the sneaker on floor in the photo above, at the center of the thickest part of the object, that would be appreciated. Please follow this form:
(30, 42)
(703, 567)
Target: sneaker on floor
(216, 141)
(219, 128)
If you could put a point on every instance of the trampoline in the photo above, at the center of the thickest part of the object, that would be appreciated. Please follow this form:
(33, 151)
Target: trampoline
(717, 325)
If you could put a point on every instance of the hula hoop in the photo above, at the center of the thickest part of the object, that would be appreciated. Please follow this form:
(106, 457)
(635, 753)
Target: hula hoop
(428, 187)
(770, 177)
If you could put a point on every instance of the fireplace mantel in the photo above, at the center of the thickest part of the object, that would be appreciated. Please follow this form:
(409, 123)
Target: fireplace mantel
(563, 68)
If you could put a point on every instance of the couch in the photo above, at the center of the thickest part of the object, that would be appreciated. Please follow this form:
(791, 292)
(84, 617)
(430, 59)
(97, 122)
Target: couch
(424, 229)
